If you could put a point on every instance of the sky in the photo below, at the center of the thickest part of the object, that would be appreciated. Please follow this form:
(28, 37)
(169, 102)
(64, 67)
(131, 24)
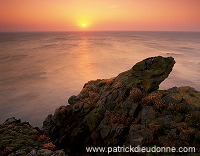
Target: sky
(99, 15)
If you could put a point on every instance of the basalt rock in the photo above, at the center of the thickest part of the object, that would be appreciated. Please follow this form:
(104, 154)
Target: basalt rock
(128, 110)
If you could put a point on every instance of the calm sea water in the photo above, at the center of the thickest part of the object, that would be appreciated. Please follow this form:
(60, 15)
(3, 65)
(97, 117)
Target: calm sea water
(39, 71)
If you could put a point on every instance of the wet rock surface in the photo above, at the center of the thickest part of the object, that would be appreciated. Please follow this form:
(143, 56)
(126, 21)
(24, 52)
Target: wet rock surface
(128, 110)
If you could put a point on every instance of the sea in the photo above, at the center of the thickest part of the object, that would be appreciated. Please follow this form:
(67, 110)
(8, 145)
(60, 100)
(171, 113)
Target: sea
(39, 71)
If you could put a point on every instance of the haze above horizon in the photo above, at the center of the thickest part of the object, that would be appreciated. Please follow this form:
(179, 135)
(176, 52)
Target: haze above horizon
(90, 15)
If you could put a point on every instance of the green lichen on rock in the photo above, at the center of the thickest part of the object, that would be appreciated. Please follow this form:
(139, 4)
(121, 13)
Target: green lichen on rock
(92, 119)
(147, 74)
(190, 95)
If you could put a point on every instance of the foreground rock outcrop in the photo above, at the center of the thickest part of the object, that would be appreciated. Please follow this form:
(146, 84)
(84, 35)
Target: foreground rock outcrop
(21, 139)
(128, 110)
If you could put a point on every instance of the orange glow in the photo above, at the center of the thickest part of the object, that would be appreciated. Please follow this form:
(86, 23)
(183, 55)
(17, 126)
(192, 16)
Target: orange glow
(68, 15)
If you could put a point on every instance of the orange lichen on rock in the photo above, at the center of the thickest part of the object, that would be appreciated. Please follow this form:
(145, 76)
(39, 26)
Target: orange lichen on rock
(43, 137)
(49, 145)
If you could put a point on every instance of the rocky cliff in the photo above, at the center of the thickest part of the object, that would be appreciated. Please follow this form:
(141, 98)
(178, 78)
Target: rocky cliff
(128, 110)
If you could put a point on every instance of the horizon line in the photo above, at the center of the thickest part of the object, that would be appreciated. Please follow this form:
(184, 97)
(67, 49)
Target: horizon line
(102, 31)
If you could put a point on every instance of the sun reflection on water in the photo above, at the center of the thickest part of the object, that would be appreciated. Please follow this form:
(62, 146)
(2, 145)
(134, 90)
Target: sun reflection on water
(85, 59)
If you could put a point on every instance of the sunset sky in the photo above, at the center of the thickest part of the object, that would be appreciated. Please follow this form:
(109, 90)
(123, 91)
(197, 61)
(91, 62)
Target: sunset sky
(99, 15)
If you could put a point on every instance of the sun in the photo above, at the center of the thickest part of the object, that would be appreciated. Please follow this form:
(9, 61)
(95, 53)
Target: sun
(83, 25)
